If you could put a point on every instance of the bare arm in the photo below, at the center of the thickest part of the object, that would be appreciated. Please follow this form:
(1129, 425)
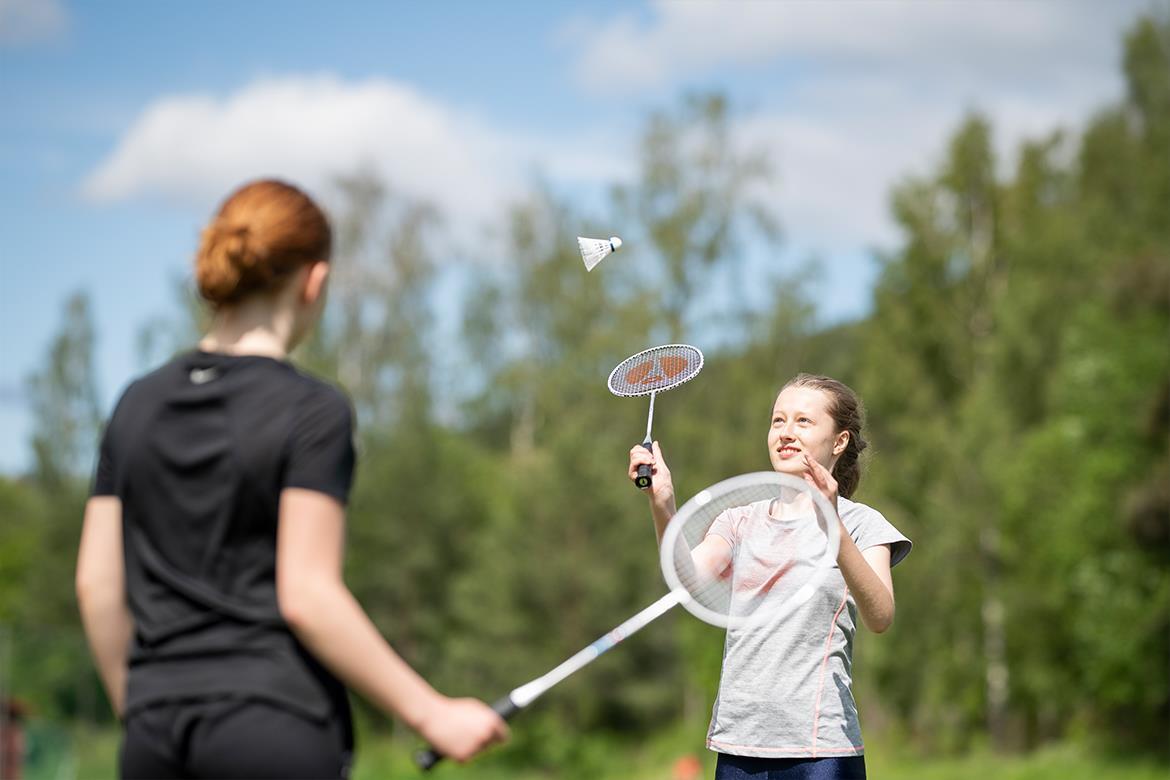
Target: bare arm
(661, 490)
(321, 611)
(866, 573)
(712, 556)
(100, 584)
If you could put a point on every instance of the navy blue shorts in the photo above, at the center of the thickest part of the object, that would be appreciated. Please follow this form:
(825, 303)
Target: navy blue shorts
(749, 768)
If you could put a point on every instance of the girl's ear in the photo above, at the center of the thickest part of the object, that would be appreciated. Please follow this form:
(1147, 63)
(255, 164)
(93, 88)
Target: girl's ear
(841, 443)
(315, 280)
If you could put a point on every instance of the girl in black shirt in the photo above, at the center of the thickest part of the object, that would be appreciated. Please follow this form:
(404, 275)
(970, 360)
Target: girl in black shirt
(209, 574)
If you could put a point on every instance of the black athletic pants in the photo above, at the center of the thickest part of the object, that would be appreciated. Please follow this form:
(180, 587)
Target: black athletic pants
(232, 738)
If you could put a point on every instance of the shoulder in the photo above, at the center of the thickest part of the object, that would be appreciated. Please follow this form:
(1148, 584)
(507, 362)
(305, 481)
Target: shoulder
(165, 374)
(290, 383)
(321, 408)
(869, 527)
(855, 513)
(755, 511)
(317, 395)
(142, 391)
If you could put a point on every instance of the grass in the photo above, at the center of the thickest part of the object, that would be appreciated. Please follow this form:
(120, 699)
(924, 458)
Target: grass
(1062, 761)
(91, 753)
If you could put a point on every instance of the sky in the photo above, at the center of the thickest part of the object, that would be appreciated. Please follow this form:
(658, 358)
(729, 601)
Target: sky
(123, 124)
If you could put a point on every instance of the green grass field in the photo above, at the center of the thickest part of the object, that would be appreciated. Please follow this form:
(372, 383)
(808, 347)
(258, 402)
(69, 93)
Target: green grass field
(92, 754)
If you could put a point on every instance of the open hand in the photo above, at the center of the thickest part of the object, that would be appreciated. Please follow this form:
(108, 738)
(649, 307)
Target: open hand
(820, 478)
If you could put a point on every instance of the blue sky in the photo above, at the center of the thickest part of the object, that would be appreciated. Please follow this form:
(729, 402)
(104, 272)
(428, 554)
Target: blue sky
(124, 123)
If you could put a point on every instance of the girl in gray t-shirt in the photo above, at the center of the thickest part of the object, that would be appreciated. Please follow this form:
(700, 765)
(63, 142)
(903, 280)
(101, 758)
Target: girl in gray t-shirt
(785, 704)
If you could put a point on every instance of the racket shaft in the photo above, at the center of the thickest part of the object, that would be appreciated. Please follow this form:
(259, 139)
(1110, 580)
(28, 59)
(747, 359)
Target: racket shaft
(529, 692)
(650, 417)
(645, 476)
(521, 697)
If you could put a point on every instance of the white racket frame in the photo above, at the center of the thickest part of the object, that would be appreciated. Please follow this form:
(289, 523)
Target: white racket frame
(652, 392)
(530, 691)
(823, 564)
(520, 697)
(669, 385)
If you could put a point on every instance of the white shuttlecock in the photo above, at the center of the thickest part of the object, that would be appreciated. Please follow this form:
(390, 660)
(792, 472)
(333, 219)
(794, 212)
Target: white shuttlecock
(594, 250)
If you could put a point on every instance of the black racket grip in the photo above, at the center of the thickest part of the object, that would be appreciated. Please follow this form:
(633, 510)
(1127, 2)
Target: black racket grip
(644, 478)
(426, 759)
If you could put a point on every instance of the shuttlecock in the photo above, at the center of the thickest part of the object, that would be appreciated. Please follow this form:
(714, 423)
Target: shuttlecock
(594, 250)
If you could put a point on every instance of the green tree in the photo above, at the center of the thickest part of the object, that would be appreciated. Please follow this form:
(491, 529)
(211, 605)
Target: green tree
(699, 196)
(1016, 371)
(50, 665)
(64, 399)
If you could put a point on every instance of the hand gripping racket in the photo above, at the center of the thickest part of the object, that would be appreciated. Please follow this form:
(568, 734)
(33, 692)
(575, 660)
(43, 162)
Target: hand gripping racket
(650, 372)
(742, 555)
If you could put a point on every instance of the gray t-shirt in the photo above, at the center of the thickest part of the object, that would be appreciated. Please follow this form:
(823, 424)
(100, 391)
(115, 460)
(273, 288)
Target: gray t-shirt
(785, 691)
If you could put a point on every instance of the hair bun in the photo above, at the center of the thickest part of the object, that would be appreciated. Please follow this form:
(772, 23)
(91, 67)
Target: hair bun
(235, 245)
(230, 263)
(262, 232)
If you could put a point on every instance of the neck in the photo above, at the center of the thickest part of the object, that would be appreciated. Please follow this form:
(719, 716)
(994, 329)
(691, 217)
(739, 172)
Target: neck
(250, 328)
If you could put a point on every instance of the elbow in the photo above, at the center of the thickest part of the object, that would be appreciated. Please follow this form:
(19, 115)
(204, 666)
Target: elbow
(81, 587)
(880, 623)
(94, 590)
(301, 603)
(294, 607)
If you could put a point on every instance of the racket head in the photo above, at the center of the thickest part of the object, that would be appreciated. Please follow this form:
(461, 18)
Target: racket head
(778, 535)
(654, 370)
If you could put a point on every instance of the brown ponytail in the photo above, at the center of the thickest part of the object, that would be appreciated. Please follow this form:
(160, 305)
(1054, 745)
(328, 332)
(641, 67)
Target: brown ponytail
(262, 232)
(849, 415)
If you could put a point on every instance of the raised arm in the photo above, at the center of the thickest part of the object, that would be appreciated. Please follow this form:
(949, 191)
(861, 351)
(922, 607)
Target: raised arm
(867, 573)
(711, 557)
(100, 583)
(661, 490)
(321, 611)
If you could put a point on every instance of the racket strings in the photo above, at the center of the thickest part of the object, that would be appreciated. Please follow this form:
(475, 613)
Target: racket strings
(778, 539)
(655, 370)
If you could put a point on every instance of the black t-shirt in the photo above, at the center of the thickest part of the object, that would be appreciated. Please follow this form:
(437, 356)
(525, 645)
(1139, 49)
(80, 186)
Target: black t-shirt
(198, 451)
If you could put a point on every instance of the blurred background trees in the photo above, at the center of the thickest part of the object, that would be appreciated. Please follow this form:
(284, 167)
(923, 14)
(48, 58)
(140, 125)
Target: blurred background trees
(1015, 364)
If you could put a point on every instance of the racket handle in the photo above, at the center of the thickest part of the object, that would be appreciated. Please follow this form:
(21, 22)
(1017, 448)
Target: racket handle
(644, 478)
(505, 707)
(426, 759)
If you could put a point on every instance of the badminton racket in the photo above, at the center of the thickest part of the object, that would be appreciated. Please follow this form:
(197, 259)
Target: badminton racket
(650, 372)
(741, 554)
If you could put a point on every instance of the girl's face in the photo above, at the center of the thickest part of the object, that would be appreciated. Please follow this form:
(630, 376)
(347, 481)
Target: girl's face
(801, 424)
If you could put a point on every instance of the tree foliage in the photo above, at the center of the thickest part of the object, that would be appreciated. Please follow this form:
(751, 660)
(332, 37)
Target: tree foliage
(1015, 365)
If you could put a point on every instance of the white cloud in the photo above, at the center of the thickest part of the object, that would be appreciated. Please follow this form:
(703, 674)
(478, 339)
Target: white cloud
(849, 98)
(193, 149)
(854, 96)
(679, 40)
(31, 21)
(840, 148)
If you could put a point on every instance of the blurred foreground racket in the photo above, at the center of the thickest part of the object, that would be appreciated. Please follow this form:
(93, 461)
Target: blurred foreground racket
(741, 555)
(650, 372)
